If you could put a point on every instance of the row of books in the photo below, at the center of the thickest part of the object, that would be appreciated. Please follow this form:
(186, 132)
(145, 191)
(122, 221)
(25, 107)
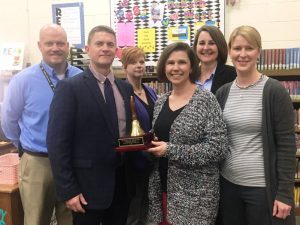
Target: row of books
(278, 59)
(297, 196)
(293, 88)
(297, 172)
(297, 118)
(159, 87)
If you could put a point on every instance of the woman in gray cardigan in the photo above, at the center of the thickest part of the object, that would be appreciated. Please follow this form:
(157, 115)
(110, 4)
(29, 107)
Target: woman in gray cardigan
(257, 175)
(192, 136)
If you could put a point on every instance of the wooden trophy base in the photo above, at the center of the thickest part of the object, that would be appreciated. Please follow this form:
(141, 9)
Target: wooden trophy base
(138, 143)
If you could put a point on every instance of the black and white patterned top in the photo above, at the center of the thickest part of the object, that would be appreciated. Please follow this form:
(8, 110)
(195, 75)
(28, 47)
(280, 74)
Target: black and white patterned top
(198, 143)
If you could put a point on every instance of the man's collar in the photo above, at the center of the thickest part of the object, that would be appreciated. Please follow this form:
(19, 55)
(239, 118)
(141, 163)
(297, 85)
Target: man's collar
(100, 77)
(51, 71)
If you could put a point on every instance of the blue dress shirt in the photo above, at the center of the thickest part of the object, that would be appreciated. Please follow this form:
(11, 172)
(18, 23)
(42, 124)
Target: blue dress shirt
(25, 109)
(208, 83)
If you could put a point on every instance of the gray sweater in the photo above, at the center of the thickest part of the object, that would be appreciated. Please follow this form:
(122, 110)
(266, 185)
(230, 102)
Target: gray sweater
(197, 144)
(279, 145)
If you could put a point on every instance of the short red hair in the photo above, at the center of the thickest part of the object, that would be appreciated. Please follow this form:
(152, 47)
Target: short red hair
(130, 54)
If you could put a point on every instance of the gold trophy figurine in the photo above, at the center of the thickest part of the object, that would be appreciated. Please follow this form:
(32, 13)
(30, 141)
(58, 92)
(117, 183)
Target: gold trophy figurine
(136, 129)
(138, 140)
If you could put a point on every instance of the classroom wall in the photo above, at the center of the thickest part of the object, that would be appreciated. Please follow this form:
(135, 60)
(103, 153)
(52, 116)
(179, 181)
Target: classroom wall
(278, 21)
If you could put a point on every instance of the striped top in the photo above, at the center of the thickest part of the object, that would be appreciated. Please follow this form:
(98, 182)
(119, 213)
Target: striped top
(243, 116)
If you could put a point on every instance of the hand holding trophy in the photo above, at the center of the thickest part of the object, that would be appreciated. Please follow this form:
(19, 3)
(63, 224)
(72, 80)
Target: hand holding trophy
(138, 140)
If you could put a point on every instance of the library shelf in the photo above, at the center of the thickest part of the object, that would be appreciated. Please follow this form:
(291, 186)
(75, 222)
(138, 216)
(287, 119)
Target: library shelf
(297, 180)
(282, 73)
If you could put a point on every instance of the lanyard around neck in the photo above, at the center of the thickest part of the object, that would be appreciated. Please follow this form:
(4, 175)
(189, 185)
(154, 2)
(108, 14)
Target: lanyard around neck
(47, 77)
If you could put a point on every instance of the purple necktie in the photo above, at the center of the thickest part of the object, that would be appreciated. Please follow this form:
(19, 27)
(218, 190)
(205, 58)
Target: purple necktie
(111, 105)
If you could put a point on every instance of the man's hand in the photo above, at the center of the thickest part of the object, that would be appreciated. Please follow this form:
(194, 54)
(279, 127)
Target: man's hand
(75, 203)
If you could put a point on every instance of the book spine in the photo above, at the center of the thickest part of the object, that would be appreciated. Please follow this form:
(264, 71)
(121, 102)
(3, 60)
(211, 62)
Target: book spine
(287, 59)
(283, 58)
(286, 86)
(291, 58)
(280, 58)
(296, 89)
(298, 58)
(262, 59)
(272, 59)
(258, 65)
(289, 87)
(298, 120)
(266, 59)
(276, 59)
(269, 59)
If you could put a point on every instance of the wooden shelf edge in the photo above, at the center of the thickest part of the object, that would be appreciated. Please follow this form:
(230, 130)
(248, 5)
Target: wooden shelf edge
(296, 100)
(281, 73)
(297, 180)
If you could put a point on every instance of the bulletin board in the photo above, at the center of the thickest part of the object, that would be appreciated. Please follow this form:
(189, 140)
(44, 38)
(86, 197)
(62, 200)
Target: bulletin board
(11, 56)
(70, 17)
(153, 24)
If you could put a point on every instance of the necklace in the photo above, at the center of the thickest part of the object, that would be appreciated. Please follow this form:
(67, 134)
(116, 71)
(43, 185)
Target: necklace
(250, 85)
(138, 92)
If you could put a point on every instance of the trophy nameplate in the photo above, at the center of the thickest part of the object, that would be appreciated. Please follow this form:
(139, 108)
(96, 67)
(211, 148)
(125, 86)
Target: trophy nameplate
(138, 139)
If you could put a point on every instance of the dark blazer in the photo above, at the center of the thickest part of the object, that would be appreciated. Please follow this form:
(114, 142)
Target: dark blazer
(224, 74)
(81, 140)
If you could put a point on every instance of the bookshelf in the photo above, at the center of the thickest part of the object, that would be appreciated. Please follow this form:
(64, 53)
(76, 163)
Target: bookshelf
(291, 73)
(274, 59)
(78, 58)
(290, 79)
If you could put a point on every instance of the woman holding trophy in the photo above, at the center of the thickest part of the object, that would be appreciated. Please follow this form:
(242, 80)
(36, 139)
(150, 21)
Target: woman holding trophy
(191, 139)
(139, 164)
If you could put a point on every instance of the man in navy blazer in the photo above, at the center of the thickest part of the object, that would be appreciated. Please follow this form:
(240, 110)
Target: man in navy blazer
(88, 172)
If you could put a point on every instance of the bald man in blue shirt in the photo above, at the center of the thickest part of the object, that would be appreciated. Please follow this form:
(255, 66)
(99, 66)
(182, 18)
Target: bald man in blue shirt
(24, 121)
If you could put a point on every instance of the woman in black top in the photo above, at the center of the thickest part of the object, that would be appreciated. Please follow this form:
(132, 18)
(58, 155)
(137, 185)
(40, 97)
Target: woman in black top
(192, 137)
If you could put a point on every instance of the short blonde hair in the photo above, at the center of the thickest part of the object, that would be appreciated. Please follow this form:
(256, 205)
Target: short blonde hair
(130, 54)
(247, 32)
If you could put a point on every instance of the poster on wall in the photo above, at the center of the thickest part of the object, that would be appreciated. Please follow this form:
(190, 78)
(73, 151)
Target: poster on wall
(11, 56)
(153, 24)
(70, 17)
